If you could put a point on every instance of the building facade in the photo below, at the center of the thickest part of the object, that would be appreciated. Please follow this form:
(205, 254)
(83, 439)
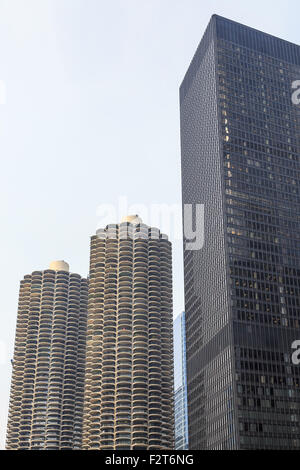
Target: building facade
(129, 361)
(46, 399)
(240, 159)
(180, 388)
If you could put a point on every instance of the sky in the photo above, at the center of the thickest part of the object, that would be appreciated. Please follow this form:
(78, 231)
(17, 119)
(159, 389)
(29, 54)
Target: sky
(89, 121)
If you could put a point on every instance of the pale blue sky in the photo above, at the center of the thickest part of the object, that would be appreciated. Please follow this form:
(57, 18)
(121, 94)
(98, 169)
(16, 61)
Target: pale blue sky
(92, 113)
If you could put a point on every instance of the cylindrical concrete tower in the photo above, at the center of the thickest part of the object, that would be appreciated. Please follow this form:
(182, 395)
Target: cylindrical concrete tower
(46, 400)
(129, 363)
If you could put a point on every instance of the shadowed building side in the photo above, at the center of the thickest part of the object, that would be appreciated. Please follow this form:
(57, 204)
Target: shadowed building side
(180, 388)
(240, 142)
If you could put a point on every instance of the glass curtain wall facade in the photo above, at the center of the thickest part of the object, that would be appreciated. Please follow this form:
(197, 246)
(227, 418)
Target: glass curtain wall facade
(129, 362)
(46, 399)
(180, 390)
(240, 138)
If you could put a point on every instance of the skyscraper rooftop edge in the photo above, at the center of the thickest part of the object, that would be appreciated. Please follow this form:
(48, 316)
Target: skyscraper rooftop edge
(211, 32)
(237, 23)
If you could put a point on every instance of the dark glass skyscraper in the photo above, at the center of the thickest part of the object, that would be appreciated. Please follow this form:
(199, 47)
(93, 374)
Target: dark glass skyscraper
(240, 134)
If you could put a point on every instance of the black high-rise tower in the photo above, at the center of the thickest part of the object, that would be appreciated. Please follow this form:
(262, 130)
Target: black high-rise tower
(240, 133)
